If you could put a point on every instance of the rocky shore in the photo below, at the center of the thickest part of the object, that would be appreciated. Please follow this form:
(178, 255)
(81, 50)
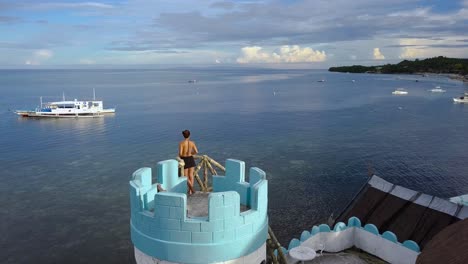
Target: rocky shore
(459, 77)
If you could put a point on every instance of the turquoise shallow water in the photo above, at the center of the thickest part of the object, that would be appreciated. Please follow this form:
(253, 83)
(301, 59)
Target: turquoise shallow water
(64, 183)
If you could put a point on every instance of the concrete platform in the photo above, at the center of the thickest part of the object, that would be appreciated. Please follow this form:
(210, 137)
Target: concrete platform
(197, 205)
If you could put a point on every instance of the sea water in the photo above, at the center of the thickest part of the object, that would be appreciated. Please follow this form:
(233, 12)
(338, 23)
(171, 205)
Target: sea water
(64, 182)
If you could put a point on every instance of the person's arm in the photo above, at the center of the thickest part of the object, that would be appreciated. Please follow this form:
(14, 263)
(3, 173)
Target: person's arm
(194, 149)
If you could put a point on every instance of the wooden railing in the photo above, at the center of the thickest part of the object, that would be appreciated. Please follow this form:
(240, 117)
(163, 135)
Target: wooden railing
(207, 166)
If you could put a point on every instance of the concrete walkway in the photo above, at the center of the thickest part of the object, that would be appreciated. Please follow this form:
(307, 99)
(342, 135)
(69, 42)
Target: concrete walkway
(339, 258)
(197, 205)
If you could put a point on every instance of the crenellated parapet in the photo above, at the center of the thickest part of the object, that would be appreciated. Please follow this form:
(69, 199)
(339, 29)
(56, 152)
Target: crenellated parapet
(161, 228)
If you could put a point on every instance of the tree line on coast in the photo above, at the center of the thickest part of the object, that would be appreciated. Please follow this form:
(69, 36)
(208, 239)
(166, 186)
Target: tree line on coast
(431, 65)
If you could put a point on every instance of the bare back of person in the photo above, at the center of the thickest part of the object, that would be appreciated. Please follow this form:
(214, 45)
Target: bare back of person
(187, 149)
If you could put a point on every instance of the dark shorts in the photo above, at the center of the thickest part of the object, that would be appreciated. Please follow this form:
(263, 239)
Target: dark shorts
(189, 162)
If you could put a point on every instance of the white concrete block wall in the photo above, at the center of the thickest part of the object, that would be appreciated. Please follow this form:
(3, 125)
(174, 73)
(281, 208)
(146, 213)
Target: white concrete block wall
(366, 241)
(339, 241)
(383, 248)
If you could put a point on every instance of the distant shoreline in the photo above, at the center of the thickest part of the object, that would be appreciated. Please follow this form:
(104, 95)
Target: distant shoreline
(453, 76)
(458, 77)
(451, 67)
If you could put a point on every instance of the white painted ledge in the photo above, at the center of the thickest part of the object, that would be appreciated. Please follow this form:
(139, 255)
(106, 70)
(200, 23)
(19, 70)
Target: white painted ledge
(255, 257)
(352, 236)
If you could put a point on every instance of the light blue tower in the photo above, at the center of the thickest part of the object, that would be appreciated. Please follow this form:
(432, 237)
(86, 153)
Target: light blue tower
(162, 232)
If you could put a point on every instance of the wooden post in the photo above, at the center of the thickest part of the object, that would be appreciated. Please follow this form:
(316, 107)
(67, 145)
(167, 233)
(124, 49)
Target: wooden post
(215, 163)
(181, 168)
(202, 186)
(205, 172)
(213, 171)
(197, 177)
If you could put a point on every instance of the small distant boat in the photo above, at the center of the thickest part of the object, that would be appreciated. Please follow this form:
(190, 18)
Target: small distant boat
(461, 99)
(321, 80)
(75, 108)
(192, 81)
(437, 90)
(400, 91)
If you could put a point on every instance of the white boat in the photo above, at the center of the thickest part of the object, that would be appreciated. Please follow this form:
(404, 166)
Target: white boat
(70, 109)
(323, 80)
(400, 91)
(461, 99)
(437, 90)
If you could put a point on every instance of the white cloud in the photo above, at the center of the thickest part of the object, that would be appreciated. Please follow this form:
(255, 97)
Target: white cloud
(378, 55)
(418, 12)
(31, 62)
(87, 61)
(353, 57)
(409, 53)
(424, 48)
(254, 54)
(39, 56)
(414, 48)
(286, 54)
(296, 54)
(65, 5)
(217, 61)
(43, 54)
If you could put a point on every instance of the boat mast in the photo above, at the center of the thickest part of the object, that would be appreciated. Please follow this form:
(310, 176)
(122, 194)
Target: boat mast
(94, 94)
(41, 100)
(63, 96)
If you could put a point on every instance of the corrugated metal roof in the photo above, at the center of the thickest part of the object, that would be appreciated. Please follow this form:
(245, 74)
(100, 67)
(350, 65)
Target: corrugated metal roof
(407, 213)
(448, 246)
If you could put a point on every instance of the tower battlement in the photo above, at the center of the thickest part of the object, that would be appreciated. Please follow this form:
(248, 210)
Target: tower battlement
(160, 227)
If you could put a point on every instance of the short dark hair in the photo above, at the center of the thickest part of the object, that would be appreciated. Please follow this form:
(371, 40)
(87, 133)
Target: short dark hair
(186, 133)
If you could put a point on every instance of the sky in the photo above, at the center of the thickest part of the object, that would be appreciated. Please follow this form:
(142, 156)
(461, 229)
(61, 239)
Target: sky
(278, 33)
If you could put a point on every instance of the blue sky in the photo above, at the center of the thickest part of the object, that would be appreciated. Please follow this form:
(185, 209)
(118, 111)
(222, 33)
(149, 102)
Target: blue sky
(277, 33)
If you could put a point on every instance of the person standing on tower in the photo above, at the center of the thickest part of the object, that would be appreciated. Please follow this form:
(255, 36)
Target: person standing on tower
(187, 149)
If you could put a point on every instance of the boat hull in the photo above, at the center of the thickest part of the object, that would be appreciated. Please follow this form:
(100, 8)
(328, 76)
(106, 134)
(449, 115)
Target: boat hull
(458, 100)
(65, 115)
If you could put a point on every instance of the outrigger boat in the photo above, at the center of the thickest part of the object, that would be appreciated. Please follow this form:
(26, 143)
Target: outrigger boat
(437, 90)
(400, 91)
(70, 109)
(461, 99)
